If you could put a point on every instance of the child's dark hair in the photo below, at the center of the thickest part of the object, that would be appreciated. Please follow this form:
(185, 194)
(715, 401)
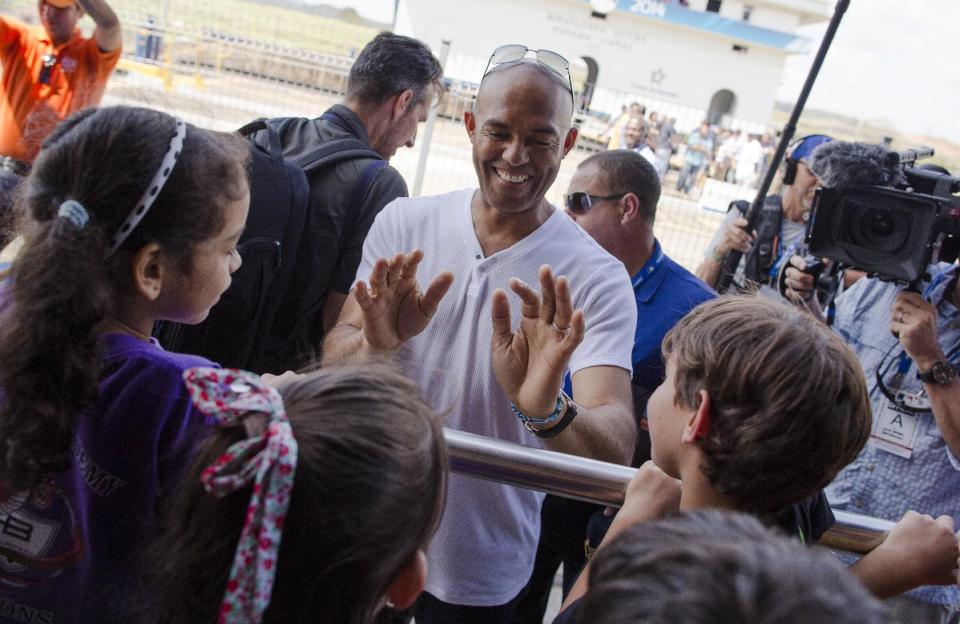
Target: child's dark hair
(368, 493)
(63, 287)
(717, 567)
(789, 399)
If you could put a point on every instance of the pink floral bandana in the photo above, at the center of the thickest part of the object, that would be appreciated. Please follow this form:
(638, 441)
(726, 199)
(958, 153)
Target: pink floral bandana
(268, 459)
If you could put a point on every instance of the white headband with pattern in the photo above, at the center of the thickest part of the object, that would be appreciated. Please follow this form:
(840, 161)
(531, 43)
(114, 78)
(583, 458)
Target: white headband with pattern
(150, 195)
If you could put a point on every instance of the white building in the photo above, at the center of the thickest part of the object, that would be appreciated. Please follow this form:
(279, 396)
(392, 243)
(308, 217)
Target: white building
(721, 56)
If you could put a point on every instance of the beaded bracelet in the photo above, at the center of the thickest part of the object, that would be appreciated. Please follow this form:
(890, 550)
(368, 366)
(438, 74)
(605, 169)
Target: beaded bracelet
(539, 421)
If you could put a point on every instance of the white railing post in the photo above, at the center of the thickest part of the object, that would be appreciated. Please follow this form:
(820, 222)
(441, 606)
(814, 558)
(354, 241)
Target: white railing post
(428, 129)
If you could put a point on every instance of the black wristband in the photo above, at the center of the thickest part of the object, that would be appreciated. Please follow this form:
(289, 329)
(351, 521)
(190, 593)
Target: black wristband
(562, 424)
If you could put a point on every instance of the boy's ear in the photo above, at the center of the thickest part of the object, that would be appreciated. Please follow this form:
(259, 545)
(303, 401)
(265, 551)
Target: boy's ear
(148, 271)
(700, 421)
(409, 582)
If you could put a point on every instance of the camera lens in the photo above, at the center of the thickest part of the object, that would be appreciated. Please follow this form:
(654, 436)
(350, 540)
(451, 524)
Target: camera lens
(883, 231)
(877, 228)
(881, 225)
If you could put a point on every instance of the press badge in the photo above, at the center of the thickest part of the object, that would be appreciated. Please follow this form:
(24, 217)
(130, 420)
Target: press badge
(895, 429)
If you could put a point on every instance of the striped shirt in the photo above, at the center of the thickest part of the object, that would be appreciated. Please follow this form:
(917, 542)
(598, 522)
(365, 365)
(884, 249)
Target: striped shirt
(879, 483)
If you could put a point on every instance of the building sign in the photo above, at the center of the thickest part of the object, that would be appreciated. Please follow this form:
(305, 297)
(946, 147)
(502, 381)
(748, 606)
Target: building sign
(672, 12)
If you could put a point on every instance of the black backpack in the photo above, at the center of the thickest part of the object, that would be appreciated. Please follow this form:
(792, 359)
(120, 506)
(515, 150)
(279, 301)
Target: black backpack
(268, 320)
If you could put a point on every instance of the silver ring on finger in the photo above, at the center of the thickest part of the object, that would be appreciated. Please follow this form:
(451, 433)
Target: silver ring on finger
(562, 331)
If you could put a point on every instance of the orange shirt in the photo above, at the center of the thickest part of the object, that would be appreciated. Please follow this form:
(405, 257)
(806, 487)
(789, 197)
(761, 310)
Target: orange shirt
(29, 110)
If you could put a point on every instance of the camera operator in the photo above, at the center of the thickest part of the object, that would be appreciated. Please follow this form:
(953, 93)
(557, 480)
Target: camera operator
(908, 343)
(779, 231)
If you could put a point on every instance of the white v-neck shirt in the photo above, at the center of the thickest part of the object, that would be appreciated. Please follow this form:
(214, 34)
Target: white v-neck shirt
(483, 551)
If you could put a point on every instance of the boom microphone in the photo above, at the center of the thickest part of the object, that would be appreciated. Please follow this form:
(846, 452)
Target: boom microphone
(847, 165)
(729, 264)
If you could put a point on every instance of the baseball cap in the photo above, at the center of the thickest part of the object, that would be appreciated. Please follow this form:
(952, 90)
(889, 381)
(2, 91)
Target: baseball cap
(61, 4)
(804, 147)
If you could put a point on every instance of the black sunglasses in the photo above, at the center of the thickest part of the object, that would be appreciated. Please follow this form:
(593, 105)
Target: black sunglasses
(514, 53)
(49, 61)
(580, 203)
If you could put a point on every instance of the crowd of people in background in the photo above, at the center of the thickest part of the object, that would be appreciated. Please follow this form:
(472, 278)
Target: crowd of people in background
(709, 151)
(139, 484)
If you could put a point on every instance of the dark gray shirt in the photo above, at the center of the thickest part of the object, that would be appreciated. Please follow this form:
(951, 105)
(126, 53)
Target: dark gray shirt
(338, 228)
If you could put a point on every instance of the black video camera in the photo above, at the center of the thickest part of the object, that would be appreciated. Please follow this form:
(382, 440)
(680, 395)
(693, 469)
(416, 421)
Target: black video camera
(893, 233)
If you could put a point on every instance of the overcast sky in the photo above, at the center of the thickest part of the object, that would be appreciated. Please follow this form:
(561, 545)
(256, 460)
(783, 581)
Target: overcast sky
(895, 60)
(891, 59)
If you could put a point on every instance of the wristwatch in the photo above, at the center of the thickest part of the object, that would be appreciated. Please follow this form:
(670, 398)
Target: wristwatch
(560, 419)
(941, 373)
(568, 415)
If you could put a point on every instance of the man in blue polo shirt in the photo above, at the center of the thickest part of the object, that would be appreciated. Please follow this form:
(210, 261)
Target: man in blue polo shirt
(613, 195)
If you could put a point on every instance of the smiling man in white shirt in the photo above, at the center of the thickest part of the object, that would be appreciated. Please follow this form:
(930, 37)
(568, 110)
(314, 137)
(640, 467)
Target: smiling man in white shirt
(494, 366)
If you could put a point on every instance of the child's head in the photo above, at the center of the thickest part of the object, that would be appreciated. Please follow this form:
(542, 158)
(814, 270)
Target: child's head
(715, 567)
(367, 496)
(96, 171)
(763, 400)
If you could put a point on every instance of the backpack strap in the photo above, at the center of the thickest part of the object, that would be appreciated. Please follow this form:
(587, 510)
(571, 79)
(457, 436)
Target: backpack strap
(335, 151)
(255, 127)
(340, 150)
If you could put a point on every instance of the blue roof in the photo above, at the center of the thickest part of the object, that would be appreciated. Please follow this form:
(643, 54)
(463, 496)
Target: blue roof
(714, 23)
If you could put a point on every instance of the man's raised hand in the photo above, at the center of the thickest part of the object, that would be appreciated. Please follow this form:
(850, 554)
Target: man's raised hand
(394, 310)
(529, 363)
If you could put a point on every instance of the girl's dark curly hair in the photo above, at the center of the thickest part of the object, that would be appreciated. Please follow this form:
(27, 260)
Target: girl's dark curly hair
(62, 286)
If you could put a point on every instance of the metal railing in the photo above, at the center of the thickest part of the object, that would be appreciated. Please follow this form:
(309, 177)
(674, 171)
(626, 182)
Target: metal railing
(605, 484)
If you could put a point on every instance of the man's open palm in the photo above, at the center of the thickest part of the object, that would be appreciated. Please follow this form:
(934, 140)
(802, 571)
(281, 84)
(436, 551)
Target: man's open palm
(529, 363)
(394, 309)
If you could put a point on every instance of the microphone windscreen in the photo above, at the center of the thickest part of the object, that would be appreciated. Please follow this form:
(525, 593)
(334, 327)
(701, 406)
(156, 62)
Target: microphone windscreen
(845, 164)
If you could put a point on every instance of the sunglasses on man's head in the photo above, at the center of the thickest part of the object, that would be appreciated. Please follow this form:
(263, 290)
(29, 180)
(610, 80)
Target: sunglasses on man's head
(580, 203)
(514, 53)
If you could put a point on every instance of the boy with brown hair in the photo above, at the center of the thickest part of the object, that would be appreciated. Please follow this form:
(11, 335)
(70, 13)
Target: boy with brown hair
(731, 570)
(761, 407)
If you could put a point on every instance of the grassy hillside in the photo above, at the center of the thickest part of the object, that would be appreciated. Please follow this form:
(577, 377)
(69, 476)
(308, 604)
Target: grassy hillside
(277, 22)
(852, 129)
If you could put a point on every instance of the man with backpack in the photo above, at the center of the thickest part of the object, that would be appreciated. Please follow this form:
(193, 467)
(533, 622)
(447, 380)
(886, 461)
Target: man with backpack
(316, 187)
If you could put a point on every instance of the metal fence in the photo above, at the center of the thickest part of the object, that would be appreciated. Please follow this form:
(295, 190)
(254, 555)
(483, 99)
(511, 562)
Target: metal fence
(606, 484)
(221, 63)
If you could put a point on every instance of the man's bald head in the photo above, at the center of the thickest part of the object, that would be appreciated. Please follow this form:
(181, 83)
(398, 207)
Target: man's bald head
(523, 73)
